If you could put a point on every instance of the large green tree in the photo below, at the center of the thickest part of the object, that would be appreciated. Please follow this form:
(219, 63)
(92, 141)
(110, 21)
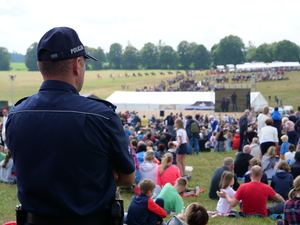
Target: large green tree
(4, 59)
(168, 58)
(264, 53)
(201, 57)
(130, 58)
(30, 57)
(185, 54)
(286, 51)
(115, 54)
(231, 50)
(149, 56)
(99, 55)
(250, 52)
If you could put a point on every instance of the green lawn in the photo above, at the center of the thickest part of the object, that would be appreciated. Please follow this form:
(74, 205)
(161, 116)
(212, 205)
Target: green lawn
(18, 67)
(204, 166)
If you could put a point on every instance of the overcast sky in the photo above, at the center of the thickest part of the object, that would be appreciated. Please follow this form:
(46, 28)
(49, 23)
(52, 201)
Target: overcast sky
(102, 23)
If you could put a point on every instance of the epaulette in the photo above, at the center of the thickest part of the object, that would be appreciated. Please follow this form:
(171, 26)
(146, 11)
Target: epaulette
(20, 101)
(104, 102)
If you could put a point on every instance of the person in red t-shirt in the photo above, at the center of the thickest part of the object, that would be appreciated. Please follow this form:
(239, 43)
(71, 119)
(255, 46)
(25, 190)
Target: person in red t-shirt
(254, 196)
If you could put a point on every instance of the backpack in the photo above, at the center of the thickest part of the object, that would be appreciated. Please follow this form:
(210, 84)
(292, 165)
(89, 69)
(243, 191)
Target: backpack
(194, 127)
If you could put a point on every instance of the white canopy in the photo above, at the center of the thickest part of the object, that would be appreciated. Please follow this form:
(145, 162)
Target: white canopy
(265, 65)
(126, 100)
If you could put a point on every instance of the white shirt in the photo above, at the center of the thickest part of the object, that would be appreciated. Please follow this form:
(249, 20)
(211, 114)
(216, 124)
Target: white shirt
(181, 132)
(289, 155)
(261, 121)
(268, 133)
(223, 206)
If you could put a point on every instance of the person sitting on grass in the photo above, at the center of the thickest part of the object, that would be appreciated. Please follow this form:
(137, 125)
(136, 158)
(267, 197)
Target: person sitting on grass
(148, 169)
(170, 194)
(288, 156)
(172, 149)
(282, 180)
(143, 210)
(195, 214)
(292, 206)
(167, 173)
(254, 196)
(6, 173)
(255, 162)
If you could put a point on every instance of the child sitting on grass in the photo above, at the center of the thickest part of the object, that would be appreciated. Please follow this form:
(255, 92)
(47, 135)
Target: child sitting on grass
(195, 214)
(223, 207)
(172, 200)
(143, 210)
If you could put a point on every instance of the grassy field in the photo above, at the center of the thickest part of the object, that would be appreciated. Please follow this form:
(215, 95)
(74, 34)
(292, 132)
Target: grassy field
(204, 166)
(27, 83)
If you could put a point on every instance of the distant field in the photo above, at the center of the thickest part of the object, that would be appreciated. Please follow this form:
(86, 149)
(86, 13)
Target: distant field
(27, 83)
(18, 67)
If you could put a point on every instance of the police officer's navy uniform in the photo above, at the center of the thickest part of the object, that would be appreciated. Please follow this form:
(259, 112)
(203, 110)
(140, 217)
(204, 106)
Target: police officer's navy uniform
(64, 147)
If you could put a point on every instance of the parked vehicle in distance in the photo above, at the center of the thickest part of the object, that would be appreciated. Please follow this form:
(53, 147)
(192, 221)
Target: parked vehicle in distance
(283, 110)
(201, 105)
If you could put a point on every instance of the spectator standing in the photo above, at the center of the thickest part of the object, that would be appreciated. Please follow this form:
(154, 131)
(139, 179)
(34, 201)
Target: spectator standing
(63, 125)
(169, 121)
(268, 137)
(181, 148)
(192, 129)
(221, 142)
(284, 148)
(261, 119)
(5, 117)
(289, 130)
(243, 129)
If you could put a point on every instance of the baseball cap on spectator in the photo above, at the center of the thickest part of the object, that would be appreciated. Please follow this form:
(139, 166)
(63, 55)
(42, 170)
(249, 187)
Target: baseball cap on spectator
(4, 110)
(62, 43)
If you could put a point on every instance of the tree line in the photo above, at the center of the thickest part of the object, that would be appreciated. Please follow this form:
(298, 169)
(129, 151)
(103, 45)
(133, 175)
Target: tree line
(230, 50)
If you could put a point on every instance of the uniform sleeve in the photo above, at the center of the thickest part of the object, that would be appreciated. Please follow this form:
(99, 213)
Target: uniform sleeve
(155, 208)
(120, 154)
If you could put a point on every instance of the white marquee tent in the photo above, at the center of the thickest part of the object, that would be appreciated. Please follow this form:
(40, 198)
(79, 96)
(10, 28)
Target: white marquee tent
(126, 100)
(261, 65)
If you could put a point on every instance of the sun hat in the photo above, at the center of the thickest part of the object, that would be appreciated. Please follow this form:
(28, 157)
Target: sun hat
(62, 43)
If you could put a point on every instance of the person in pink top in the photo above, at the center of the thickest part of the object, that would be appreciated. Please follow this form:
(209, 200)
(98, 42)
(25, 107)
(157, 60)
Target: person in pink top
(167, 173)
(289, 130)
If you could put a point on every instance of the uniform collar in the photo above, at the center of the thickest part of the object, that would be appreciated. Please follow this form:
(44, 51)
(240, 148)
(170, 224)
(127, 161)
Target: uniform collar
(58, 85)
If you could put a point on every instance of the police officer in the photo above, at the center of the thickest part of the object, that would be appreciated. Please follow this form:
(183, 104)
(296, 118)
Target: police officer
(70, 152)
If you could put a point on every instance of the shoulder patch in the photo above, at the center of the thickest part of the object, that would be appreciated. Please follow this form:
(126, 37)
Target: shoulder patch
(104, 102)
(20, 101)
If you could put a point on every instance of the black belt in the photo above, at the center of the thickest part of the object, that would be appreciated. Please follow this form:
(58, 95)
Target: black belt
(66, 220)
